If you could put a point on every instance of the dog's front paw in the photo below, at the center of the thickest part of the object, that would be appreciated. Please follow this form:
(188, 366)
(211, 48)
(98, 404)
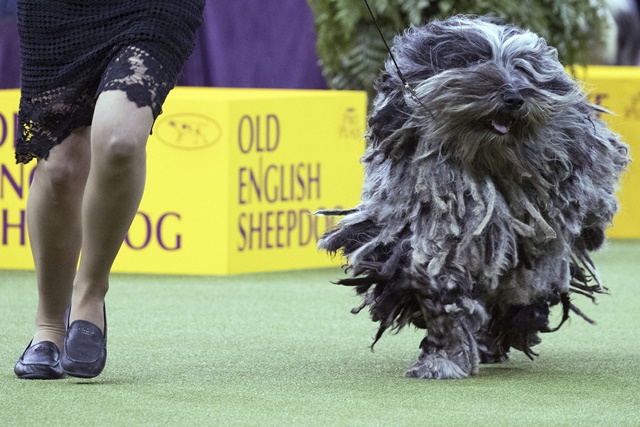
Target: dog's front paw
(437, 366)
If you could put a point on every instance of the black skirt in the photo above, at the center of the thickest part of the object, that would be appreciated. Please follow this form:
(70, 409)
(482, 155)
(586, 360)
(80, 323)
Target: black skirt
(72, 50)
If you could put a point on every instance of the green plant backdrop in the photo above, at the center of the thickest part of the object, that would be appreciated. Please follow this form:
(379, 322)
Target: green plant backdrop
(352, 53)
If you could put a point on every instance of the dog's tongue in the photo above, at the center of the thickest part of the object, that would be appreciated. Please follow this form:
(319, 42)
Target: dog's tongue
(500, 127)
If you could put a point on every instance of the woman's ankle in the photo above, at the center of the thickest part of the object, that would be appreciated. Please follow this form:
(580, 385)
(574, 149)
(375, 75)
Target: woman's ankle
(55, 334)
(89, 308)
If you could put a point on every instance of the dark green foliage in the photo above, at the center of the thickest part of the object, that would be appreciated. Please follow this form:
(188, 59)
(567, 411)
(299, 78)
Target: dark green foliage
(352, 53)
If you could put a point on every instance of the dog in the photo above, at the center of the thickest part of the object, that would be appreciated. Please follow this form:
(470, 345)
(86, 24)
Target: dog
(489, 180)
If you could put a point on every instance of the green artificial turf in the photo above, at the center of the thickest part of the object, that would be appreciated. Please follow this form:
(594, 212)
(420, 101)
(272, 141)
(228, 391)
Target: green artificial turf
(283, 349)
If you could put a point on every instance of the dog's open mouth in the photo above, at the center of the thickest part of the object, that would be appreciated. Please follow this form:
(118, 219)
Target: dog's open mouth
(501, 125)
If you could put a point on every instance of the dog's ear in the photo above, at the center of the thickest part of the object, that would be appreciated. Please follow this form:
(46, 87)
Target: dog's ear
(388, 137)
(389, 115)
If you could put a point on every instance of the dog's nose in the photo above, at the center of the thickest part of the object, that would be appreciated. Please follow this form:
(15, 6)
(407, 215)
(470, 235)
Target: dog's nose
(513, 100)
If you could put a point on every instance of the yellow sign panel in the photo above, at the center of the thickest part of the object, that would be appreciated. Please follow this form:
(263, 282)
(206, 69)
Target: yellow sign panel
(234, 175)
(15, 252)
(618, 90)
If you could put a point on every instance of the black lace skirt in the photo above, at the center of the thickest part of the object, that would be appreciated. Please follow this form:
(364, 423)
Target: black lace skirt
(72, 50)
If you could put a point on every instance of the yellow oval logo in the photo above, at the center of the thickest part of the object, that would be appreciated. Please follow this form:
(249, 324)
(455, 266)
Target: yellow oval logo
(187, 131)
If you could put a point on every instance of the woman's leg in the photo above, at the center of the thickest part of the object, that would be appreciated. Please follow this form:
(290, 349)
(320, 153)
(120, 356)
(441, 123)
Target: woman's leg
(114, 188)
(54, 224)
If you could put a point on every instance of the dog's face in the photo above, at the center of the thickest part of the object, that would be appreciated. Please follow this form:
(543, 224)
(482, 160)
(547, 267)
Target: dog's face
(488, 93)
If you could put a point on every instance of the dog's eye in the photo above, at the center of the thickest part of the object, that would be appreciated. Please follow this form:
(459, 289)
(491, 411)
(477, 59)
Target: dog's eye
(527, 70)
(454, 59)
(559, 86)
(534, 80)
(452, 50)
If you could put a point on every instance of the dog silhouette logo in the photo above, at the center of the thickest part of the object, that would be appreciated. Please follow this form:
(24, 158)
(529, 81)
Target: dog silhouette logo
(188, 131)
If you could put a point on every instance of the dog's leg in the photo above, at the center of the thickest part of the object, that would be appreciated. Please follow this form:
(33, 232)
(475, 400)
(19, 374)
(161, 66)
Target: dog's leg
(452, 355)
(520, 309)
(490, 351)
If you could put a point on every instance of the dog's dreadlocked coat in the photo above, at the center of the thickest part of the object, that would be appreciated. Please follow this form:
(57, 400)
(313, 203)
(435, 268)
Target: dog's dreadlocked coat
(489, 178)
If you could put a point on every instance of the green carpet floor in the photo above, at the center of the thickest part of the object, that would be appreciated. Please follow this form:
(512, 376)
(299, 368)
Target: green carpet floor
(283, 349)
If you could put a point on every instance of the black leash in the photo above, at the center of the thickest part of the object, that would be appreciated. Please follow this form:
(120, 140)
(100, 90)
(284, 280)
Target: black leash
(404, 81)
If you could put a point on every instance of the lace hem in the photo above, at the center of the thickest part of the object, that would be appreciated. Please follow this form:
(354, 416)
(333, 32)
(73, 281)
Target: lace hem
(47, 120)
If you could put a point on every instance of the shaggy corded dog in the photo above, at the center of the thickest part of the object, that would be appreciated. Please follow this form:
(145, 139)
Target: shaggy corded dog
(489, 178)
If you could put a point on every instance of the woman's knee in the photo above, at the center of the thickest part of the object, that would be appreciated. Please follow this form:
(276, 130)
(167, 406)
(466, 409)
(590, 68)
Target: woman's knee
(67, 166)
(118, 147)
(120, 128)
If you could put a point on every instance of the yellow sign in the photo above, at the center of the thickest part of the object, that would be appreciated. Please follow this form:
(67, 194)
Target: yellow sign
(15, 252)
(234, 175)
(618, 90)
